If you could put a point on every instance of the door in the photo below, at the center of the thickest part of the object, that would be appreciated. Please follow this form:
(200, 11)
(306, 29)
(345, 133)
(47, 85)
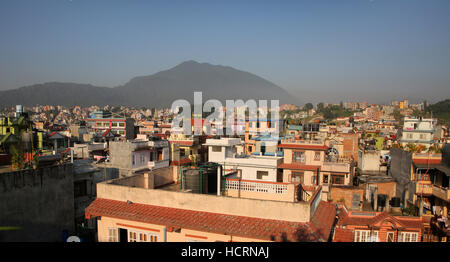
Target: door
(123, 235)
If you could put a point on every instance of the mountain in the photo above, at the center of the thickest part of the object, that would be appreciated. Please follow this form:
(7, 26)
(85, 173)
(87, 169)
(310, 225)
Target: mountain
(157, 90)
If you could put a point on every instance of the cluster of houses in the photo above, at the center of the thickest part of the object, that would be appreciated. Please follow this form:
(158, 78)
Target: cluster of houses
(351, 181)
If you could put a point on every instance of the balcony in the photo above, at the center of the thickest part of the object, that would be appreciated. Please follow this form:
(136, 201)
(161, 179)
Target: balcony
(441, 192)
(340, 165)
(303, 142)
(424, 187)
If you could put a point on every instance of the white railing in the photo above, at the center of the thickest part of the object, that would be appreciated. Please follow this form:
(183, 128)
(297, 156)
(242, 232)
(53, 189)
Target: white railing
(258, 187)
(303, 142)
(158, 164)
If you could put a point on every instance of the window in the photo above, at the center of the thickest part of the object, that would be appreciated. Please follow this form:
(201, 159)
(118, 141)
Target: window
(337, 179)
(297, 177)
(408, 237)
(314, 179)
(365, 236)
(193, 240)
(390, 237)
(182, 152)
(133, 160)
(132, 237)
(325, 179)
(112, 235)
(136, 236)
(317, 156)
(262, 174)
(160, 155)
(299, 157)
(217, 149)
(121, 124)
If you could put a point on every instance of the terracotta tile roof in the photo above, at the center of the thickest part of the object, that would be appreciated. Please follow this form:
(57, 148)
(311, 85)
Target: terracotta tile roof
(299, 167)
(181, 162)
(343, 235)
(306, 147)
(323, 219)
(369, 221)
(257, 228)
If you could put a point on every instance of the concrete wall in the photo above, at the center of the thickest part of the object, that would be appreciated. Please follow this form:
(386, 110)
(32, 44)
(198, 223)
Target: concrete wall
(40, 202)
(296, 212)
(369, 161)
(338, 193)
(400, 170)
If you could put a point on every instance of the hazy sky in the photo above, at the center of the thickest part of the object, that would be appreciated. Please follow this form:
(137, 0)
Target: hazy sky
(317, 50)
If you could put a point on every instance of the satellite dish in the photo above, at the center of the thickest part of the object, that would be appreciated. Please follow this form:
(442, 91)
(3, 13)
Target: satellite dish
(73, 239)
(332, 154)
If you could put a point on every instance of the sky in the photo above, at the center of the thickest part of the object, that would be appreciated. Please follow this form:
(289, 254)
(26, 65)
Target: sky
(319, 51)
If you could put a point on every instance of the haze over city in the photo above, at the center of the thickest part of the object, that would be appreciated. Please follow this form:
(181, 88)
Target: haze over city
(318, 51)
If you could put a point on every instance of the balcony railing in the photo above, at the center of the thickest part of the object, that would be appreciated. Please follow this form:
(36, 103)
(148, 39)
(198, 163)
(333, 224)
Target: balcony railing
(158, 164)
(302, 142)
(441, 192)
(256, 186)
(424, 188)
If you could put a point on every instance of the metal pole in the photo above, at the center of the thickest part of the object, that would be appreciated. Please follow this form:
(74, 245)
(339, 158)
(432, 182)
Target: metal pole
(218, 179)
(201, 180)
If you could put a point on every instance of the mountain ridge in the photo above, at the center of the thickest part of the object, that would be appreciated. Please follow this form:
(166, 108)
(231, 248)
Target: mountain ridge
(156, 90)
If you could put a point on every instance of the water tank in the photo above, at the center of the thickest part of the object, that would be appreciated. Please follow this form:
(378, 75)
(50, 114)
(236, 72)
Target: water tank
(191, 180)
(19, 110)
(201, 180)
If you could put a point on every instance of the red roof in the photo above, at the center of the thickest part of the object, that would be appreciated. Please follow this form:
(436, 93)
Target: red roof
(323, 219)
(257, 228)
(427, 161)
(299, 167)
(181, 162)
(183, 143)
(160, 135)
(369, 221)
(306, 147)
(343, 235)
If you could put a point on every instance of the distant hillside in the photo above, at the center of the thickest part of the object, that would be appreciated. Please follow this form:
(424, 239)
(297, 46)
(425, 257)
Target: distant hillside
(56, 93)
(440, 110)
(157, 90)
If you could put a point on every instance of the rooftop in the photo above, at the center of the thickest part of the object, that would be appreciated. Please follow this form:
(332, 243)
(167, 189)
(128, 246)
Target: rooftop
(258, 228)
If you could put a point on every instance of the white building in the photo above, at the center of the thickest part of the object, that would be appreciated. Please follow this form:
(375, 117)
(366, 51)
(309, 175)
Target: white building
(256, 168)
(418, 131)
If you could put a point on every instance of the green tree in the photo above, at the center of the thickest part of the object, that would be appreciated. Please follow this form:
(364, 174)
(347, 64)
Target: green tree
(320, 107)
(308, 106)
